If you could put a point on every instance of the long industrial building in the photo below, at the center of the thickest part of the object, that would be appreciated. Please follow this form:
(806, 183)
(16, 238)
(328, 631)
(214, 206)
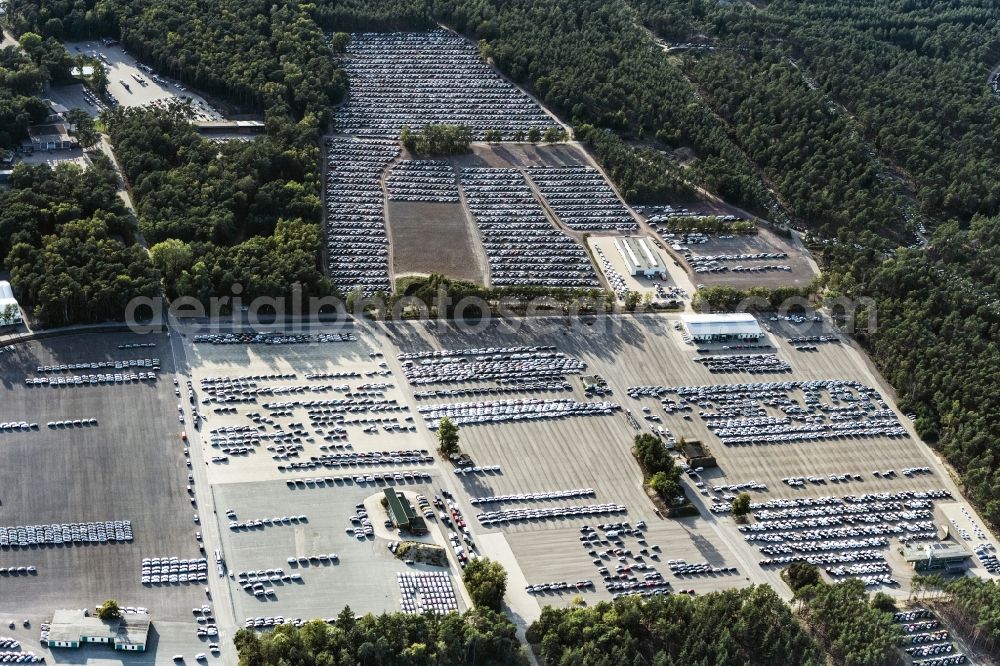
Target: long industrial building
(721, 327)
(641, 257)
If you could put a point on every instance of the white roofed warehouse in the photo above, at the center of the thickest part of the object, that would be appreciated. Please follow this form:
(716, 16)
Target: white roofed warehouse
(9, 316)
(721, 327)
(73, 628)
(641, 257)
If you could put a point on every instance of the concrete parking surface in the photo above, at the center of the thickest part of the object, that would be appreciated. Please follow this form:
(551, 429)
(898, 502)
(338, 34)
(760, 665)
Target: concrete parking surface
(131, 466)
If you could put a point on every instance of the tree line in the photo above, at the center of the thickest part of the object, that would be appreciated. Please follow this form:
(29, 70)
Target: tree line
(479, 636)
(66, 239)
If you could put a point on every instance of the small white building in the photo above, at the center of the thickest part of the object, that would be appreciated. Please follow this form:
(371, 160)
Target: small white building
(72, 628)
(641, 258)
(719, 327)
(7, 299)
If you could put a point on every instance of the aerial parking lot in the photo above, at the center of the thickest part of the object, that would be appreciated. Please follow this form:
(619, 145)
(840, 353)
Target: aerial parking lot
(129, 84)
(284, 445)
(111, 453)
(762, 259)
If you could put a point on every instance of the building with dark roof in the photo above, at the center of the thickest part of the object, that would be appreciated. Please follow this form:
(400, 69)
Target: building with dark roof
(53, 136)
(402, 514)
(952, 557)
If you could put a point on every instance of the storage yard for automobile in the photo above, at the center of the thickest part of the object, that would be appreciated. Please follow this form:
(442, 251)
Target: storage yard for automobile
(361, 373)
(243, 470)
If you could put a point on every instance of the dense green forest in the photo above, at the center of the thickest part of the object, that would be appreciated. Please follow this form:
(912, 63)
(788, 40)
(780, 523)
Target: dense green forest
(750, 626)
(854, 628)
(20, 80)
(23, 75)
(479, 637)
(868, 118)
(593, 63)
(977, 600)
(66, 237)
(244, 212)
(268, 55)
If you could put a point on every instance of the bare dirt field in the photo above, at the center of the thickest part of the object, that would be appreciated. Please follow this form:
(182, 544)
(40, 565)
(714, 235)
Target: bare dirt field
(520, 155)
(431, 237)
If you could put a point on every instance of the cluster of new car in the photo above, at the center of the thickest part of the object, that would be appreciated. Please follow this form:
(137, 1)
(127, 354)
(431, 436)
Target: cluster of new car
(558, 586)
(582, 199)
(505, 411)
(271, 338)
(611, 274)
(374, 477)
(502, 366)
(266, 522)
(18, 426)
(204, 617)
(752, 363)
(522, 245)
(531, 497)
(684, 568)
(70, 423)
(713, 263)
(98, 365)
(167, 570)
(101, 378)
(422, 180)
(66, 533)
(417, 78)
(356, 240)
(525, 387)
(361, 527)
(488, 518)
(256, 582)
(17, 571)
(426, 591)
(12, 657)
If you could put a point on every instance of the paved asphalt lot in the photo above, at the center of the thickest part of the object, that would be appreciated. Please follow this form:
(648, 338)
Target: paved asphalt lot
(363, 578)
(130, 466)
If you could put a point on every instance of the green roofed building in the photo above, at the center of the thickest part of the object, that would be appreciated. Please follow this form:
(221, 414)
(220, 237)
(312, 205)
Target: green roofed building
(402, 514)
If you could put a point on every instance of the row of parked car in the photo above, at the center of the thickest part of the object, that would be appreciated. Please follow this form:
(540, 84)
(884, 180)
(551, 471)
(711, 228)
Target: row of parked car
(505, 411)
(356, 240)
(533, 497)
(98, 365)
(543, 366)
(413, 79)
(517, 387)
(12, 657)
(751, 363)
(487, 518)
(66, 533)
(582, 199)
(17, 571)
(405, 476)
(271, 338)
(522, 246)
(92, 380)
(431, 181)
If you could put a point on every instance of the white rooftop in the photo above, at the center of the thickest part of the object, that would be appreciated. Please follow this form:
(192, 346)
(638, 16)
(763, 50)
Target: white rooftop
(738, 323)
